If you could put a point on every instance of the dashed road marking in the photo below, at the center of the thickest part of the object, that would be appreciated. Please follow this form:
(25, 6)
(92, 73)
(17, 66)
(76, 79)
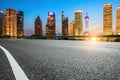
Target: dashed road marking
(17, 70)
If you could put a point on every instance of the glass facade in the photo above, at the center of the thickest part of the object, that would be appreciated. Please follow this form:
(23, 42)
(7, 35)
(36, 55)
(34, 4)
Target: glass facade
(107, 21)
(71, 29)
(51, 24)
(1, 22)
(118, 21)
(20, 22)
(11, 23)
(38, 26)
(78, 23)
(64, 25)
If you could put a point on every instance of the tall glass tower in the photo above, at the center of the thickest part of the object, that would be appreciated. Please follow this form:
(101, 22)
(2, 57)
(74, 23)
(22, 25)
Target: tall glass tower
(1, 23)
(71, 28)
(51, 24)
(38, 26)
(78, 23)
(64, 25)
(118, 21)
(11, 23)
(20, 24)
(107, 20)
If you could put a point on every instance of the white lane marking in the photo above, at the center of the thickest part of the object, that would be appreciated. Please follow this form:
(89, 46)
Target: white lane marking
(17, 70)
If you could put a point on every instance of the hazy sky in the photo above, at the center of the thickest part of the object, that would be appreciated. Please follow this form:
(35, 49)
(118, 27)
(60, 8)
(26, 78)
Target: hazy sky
(34, 8)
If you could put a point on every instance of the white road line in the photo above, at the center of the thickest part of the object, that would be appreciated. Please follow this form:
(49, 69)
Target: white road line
(17, 70)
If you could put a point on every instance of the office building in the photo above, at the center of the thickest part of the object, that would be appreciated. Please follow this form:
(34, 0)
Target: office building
(107, 20)
(64, 25)
(71, 28)
(20, 24)
(51, 24)
(38, 27)
(10, 23)
(1, 23)
(118, 21)
(78, 23)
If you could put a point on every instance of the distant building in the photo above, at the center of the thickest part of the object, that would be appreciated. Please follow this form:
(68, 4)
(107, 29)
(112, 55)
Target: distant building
(86, 33)
(38, 26)
(107, 21)
(118, 21)
(4, 28)
(20, 24)
(71, 28)
(1, 23)
(78, 23)
(51, 24)
(64, 25)
(10, 23)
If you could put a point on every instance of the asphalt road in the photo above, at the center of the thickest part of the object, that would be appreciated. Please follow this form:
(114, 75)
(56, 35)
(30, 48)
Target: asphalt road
(5, 69)
(62, 60)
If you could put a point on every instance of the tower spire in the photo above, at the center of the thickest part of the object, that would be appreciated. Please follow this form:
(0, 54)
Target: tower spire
(86, 11)
(86, 33)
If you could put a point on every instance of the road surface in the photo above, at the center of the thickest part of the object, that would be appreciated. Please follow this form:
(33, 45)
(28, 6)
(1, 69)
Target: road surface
(62, 59)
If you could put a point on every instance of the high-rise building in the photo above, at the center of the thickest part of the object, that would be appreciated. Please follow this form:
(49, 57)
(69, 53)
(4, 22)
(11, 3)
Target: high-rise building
(51, 23)
(86, 33)
(11, 23)
(1, 23)
(20, 24)
(78, 23)
(64, 25)
(71, 29)
(4, 28)
(38, 26)
(107, 21)
(118, 21)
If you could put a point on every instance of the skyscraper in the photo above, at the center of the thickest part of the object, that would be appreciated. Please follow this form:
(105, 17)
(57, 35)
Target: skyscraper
(51, 23)
(20, 24)
(71, 29)
(118, 21)
(38, 26)
(1, 23)
(107, 21)
(78, 23)
(64, 25)
(11, 23)
(86, 33)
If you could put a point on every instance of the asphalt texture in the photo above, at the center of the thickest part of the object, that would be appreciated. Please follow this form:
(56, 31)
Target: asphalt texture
(6, 72)
(63, 59)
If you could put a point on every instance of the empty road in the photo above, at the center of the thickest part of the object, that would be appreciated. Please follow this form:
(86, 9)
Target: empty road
(61, 59)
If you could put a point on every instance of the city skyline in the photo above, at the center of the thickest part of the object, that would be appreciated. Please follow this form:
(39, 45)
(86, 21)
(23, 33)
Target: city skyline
(12, 23)
(95, 12)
